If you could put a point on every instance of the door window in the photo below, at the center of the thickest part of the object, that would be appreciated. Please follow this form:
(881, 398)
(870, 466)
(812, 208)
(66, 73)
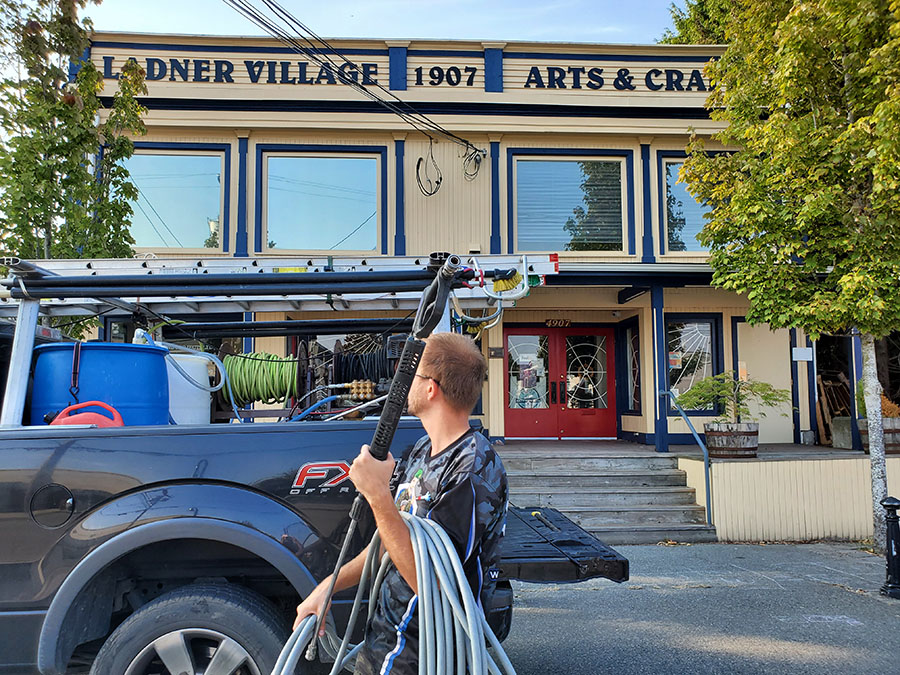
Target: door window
(586, 376)
(528, 368)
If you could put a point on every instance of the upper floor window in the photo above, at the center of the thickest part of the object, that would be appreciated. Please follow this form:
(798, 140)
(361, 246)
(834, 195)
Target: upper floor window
(180, 199)
(569, 204)
(683, 213)
(322, 202)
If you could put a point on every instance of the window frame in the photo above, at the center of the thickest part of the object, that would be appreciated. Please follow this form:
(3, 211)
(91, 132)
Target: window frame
(222, 150)
(266, 150)
(624, 157)
(623, 366)
(717, 349)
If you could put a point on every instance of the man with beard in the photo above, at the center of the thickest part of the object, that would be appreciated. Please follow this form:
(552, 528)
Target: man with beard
(453, 477)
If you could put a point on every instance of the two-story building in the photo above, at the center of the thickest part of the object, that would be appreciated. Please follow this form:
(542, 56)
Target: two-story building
(255, 150)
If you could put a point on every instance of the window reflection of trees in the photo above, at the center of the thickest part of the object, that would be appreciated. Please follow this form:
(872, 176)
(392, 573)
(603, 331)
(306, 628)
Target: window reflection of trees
(599, 227)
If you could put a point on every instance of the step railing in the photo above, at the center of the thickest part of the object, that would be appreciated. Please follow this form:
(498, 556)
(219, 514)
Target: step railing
(674, 399)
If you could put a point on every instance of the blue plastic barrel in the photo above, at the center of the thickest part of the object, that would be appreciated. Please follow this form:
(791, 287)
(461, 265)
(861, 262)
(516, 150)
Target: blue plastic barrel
(131, 378)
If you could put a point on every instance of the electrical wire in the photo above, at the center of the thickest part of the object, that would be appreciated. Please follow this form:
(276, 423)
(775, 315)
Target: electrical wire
(306, 43)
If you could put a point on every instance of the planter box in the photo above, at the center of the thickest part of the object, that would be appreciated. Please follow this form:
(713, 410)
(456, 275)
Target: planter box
(891, 435)
(732, 440)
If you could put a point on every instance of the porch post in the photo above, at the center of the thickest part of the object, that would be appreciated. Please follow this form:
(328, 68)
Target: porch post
(661, 372)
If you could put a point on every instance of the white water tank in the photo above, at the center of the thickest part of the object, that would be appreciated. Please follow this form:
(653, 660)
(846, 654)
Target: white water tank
(187, 403)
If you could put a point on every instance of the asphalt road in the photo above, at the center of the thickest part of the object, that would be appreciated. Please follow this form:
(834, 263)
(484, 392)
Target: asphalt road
(715, 608)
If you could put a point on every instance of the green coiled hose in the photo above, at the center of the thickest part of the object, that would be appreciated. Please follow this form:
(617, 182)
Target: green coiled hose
(262, 377)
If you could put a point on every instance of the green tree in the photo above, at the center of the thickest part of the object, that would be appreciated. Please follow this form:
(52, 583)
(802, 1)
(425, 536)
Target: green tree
(63, 189)
(806, 212)
(701, 22)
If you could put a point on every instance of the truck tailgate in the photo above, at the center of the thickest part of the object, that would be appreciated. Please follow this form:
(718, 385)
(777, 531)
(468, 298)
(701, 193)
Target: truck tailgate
(542, 545)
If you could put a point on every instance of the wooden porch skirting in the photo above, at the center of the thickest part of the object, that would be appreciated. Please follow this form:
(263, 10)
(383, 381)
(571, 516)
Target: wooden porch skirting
(805, 499)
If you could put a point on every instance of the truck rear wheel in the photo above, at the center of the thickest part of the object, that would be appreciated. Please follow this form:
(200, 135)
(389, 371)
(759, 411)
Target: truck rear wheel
(208, 629)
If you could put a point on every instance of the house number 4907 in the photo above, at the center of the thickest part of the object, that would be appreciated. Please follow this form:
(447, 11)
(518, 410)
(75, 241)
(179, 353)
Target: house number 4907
(558, 323)
(452, 75)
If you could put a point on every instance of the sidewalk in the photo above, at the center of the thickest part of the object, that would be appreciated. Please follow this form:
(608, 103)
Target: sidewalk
(715, 608)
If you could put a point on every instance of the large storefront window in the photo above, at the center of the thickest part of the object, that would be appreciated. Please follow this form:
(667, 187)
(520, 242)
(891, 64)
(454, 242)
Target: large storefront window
(569, 205)
(683, 213)
(322, 203)
(692, 352)
(179, 203)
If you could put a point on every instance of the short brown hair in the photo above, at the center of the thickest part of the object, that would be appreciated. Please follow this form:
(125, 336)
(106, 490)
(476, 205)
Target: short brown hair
(457, 364)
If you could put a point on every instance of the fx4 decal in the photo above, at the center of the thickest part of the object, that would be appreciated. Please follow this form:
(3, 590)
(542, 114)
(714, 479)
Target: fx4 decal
(321, 477)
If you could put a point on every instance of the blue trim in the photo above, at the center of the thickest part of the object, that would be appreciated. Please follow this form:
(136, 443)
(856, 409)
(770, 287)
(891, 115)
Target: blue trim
(262, 148)
(795, 388)
(855, 367)
(512, 153)
(241, 236)
(399, 198)
(495, 197)
(623, 326)
(735, 358)
(397, 68)
(661, 58)
(425, 107)
(661, 359)
(75, 64)
(167, 47)
(470, 54)
(718, 352)
(493, 69)
(247, 342)
(811, 391)
(225, 149)
(647, 237)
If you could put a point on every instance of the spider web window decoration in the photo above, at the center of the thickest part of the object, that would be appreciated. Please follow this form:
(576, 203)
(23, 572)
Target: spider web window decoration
(690, 354)
(528, 363)
(586, 375)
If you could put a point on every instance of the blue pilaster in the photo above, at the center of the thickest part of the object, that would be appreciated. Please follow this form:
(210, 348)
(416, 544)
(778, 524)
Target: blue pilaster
(75, 64)
(661, 360)
(240, 244)
(495, 197)
(399, 198)
(493, 69)
(647, 238)
(855, 367)
(397, 63)
(811, 391)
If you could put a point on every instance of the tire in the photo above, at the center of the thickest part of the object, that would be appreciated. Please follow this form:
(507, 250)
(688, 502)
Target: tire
(213, 629)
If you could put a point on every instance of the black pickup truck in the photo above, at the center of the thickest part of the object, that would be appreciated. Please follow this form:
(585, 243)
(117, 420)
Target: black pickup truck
(190, 545)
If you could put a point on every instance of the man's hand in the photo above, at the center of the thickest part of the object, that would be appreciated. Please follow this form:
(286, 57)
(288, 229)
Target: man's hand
(372, 477)
(312, 606)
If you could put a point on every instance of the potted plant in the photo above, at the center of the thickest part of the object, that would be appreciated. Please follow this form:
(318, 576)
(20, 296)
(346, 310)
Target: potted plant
(734, 433)
(890, 420)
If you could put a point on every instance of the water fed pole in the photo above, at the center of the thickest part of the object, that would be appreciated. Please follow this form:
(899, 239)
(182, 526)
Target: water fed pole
(431, 309)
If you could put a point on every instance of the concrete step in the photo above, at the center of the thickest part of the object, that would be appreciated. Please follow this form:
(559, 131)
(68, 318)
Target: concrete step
(660, 495)
(582, 479)
(629, 534)
(519, 462)
(600, 517)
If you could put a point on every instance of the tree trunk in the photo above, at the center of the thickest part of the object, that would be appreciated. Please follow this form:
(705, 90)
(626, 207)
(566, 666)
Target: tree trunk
(872, 392)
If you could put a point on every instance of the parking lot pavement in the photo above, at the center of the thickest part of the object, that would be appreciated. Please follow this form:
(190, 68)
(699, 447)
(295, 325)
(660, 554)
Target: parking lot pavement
(715, 608)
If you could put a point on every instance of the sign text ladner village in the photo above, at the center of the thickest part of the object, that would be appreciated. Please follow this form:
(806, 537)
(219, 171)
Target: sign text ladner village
(301, 72)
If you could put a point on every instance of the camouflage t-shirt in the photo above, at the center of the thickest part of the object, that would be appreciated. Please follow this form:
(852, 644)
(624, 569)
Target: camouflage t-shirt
(464, 489)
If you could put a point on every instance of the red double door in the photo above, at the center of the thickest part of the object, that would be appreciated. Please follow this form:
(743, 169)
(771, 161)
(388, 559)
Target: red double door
(560, 382)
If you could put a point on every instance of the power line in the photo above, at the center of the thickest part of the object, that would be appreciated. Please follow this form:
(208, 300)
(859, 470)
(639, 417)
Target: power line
(150, 204)
(354, 231)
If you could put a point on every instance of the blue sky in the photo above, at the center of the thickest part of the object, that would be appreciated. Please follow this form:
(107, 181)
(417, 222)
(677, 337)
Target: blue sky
(605, 21)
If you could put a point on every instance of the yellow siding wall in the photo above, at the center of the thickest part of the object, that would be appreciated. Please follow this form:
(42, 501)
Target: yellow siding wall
(791, 500)
(458, 217)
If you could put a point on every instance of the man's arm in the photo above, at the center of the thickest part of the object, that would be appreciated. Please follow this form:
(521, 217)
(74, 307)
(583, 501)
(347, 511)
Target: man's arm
(348, 576)
(372, 478)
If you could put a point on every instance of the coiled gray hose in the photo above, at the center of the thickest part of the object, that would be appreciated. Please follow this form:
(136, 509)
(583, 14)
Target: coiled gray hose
(453, 632)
